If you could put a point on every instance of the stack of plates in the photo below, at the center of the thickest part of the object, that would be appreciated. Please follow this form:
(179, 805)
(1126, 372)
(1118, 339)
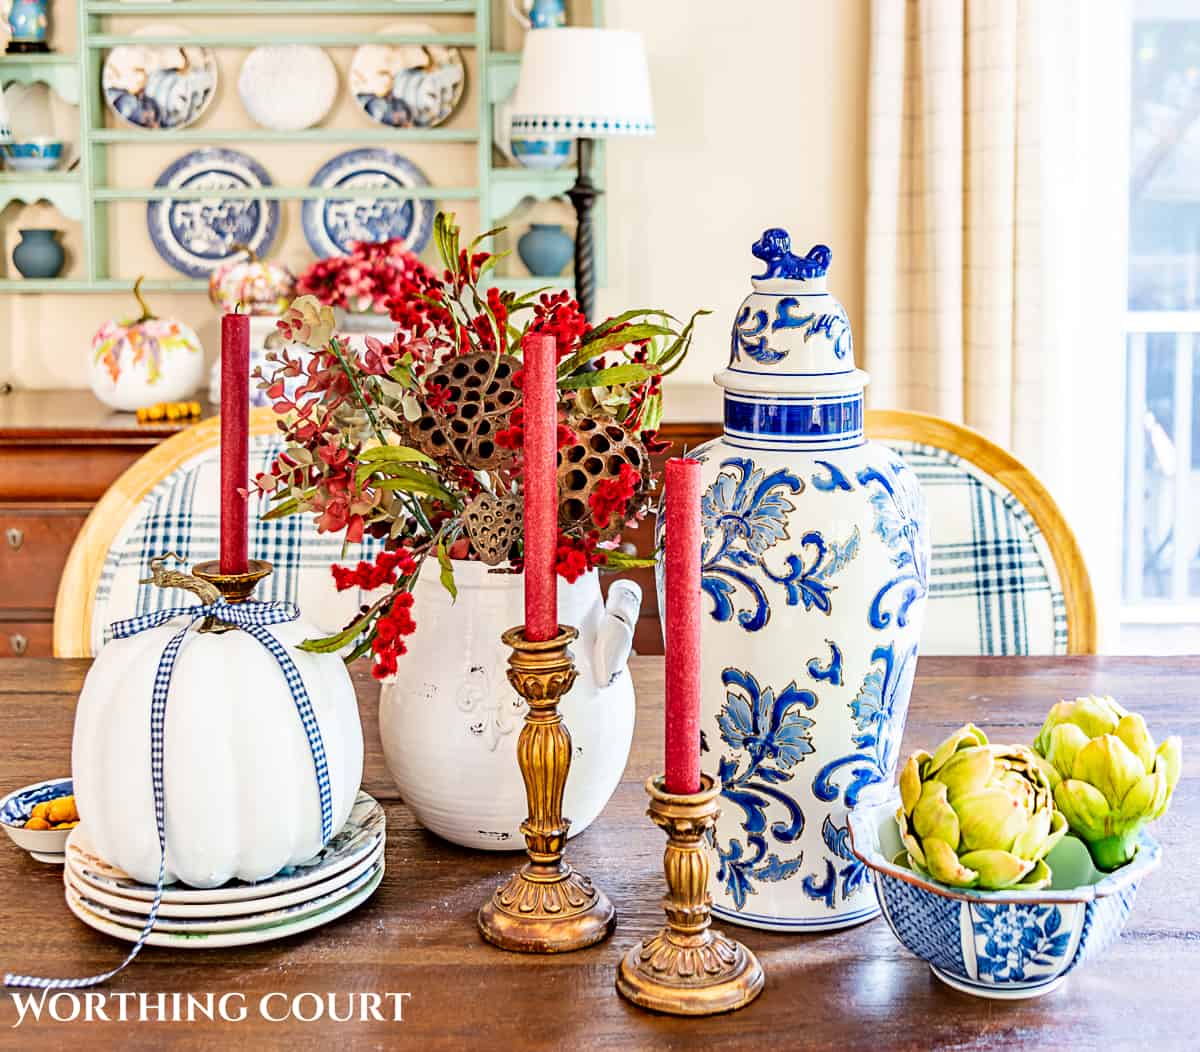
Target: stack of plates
(331, 884)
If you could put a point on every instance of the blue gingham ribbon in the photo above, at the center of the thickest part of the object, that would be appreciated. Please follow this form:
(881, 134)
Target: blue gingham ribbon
(250, 617)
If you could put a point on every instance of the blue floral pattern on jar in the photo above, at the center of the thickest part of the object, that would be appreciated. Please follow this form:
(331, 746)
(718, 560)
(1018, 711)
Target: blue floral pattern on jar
(745, 513)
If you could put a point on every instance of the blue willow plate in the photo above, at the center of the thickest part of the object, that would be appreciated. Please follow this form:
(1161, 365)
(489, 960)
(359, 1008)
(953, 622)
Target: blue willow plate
(353, 841)
(197, 235)
(334, 225)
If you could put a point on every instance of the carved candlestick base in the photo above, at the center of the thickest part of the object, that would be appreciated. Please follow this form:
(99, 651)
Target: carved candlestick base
(688, 968)
(547, 907)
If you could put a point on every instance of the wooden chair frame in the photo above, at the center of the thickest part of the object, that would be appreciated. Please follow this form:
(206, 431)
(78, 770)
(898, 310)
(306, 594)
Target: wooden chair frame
(81, 576)
(76, 598)
(906, 426)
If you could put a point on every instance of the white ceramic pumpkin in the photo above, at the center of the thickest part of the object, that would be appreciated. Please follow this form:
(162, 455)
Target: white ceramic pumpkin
(258, 286)
(240, 788)
(140, 362)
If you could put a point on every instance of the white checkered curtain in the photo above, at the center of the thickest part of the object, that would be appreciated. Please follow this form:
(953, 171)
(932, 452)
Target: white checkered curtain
(180, 514)
(993, 585)
(968, 178)
(984, 302)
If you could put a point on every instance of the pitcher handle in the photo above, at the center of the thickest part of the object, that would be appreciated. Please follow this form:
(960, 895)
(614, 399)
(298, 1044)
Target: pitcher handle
(614, 640)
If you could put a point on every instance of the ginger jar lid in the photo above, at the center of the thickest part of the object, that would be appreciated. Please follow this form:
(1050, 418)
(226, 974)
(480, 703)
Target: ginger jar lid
(790, 336)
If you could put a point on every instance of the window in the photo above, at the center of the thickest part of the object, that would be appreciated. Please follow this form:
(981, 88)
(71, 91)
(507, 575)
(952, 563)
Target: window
(1161, 571)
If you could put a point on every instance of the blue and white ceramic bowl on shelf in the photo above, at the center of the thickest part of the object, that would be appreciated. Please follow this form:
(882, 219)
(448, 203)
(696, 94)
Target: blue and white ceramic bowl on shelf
(541, 154)
(46, 845)
(33, 155)
(1006, 945)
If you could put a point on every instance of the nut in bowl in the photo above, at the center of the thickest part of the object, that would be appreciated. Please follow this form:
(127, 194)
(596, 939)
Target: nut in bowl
(40, 817)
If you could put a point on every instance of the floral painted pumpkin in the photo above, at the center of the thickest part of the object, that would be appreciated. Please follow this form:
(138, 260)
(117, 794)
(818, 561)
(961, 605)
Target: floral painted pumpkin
(255, 285)
(139, 363)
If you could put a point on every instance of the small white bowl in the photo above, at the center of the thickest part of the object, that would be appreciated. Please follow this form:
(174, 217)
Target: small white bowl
(15, 809)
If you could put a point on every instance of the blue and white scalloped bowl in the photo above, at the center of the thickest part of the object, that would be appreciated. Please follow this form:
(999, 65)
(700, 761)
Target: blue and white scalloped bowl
(1007, 945)
(46, 845)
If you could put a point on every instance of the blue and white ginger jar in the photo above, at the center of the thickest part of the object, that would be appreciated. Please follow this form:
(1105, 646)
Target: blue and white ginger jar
(814, 576)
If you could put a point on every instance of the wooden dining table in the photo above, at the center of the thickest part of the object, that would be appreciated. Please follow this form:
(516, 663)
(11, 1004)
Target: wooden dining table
(416, 937)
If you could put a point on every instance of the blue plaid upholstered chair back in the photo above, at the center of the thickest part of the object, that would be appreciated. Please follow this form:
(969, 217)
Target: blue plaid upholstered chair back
(180, 514)
(1006, 577)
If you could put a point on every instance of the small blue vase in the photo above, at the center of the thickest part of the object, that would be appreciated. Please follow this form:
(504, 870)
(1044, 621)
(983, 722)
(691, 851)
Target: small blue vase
(38, 254)
(541, 14)
(29, 24)
(545, 249)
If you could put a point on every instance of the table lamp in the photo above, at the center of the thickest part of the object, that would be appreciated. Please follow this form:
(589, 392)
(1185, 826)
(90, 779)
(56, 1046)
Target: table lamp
(583, 84)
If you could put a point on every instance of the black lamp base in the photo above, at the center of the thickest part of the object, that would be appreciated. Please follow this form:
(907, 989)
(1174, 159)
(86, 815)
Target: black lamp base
(583, 196)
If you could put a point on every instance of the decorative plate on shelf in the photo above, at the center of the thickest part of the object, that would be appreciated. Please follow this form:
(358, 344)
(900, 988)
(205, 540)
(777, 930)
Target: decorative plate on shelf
(197, 234)
(333, 225)
(407, 85)
(288, 88)
(159, 85)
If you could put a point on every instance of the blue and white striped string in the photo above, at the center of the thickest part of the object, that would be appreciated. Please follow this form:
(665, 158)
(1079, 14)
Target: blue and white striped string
(250, 617)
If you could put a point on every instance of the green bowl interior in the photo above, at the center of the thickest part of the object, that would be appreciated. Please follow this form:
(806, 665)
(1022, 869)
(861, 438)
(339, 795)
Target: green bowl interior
(1070, 862)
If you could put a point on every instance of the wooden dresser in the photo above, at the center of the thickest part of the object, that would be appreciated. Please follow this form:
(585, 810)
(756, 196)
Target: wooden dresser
(59, 452)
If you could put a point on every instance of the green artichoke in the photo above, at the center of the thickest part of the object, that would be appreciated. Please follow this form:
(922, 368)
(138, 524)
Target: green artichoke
(1108, 778)
(975, 815)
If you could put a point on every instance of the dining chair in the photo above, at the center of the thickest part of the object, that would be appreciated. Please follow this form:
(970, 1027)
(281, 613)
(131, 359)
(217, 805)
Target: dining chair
(168, 501)
(1006, 573)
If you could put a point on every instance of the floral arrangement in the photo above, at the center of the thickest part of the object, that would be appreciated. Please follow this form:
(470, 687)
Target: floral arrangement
(418, 441)
(370, 278)
(979, 815)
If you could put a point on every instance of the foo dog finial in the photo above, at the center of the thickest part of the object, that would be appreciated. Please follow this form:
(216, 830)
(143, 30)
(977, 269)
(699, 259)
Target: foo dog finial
(775, 249)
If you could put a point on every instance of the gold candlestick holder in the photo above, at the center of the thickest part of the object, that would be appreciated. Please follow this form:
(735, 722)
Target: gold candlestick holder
(546, 907)
(235, 587)
(688, 968)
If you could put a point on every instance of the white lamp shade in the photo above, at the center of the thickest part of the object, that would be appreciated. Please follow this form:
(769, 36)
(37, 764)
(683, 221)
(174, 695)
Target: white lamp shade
(583, 83)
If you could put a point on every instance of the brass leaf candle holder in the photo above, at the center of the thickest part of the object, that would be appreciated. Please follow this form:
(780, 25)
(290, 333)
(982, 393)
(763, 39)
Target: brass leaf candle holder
(546, 907)
(688, 968)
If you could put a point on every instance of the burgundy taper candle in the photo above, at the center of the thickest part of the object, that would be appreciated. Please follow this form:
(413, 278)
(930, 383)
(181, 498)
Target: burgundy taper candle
(682, 571)
(540, 390)
(235, 438)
